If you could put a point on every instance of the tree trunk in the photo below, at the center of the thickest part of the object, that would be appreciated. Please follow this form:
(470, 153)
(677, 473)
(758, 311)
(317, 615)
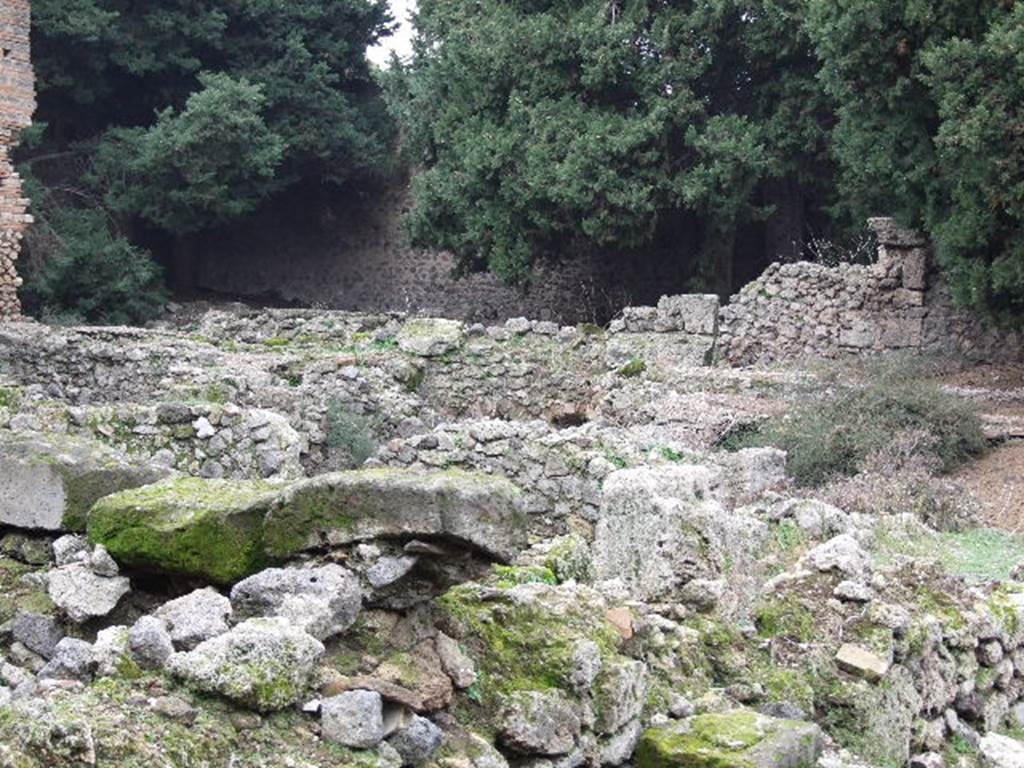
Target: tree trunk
(185, 265)
(720, 247)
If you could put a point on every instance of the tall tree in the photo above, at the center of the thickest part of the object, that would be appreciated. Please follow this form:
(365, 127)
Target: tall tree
(185, 115)
(548, 127)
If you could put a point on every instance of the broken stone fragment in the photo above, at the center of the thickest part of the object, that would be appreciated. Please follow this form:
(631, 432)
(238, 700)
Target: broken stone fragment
(150, 642)
(195, 617)
(842, 554)
(263, 664)
(388, 570)
(111, 651)
(861, 662)
(735, 738)
(50, 482)
(72, 660)
(1000, 751)
(39, 633)
(417, 741)
(459, 667)
(540, 723)
(324, 601)
(354, 719)
(84, 595)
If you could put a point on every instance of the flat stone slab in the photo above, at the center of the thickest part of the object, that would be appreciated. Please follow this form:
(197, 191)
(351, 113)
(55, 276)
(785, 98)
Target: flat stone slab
(225, 530)
(50, 482)
(479, 510)
(861, 662)
(737, 739)
(191, 526)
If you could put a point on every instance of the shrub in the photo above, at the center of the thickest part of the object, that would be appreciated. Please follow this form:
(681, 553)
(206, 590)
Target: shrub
(92, 275)
(351, 436)
(840, 433)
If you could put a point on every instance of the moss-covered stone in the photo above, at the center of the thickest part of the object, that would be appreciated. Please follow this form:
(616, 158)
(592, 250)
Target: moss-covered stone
(525, 638)
(207, 528)
(50, 482)
(736, 739)
(482, 511)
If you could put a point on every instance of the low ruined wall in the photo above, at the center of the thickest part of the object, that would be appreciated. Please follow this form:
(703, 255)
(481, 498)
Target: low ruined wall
(17, 102)
(897, 303)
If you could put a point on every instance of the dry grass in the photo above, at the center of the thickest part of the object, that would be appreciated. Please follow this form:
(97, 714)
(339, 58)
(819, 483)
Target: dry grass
(996, 481)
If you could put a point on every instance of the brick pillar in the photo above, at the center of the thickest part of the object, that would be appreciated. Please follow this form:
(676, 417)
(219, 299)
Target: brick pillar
(17, 103)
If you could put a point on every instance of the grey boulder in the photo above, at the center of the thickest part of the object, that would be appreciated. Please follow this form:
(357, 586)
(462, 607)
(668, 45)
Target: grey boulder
(353, 719)
(263, 664)
(195, 617)
(540, 723)
(39, 633)
(418, 741)
(50, 483)
(84, 595)
(150, 642)
(72, 660)
(323, 601)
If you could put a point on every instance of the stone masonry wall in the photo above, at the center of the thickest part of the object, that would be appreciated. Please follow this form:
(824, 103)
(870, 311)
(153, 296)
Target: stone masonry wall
(897, 303)
(17, 102)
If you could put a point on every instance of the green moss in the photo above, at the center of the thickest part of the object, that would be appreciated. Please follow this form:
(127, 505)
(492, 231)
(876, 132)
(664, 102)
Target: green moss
(632, 369)
(276, 343)
(721, 740)
(19, 595)
(785, 617)
(941, 606)
(569, 559)
(9, 398)
(524, 644)
(207, 528)
(1005, 608)
(508, 576)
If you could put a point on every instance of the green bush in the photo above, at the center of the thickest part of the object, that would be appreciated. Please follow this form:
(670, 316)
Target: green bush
(90, 274)
(837, 434)
(351, 436)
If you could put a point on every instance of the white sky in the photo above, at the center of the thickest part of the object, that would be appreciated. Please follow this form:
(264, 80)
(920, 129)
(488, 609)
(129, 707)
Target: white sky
(401, 41)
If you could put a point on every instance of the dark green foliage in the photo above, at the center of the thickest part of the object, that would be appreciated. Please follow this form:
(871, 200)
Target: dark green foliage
(579, 126)
(174, 118)
(90, 273)
(837, 434)
(929, 96)
(209, 164)
(351, 435)
(978, 219)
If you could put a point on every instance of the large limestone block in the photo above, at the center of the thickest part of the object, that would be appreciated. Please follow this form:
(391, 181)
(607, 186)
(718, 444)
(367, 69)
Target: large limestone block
(430, 337)
(660, 527)
(50, 482)
(207, 528)
(737, 739)
(481, 511)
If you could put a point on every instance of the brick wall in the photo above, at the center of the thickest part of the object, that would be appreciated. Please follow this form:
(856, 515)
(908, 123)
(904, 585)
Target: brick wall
(17, 102)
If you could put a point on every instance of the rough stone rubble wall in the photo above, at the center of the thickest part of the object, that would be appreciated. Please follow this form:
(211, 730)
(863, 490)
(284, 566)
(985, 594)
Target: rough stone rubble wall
(897, 303)
(17, 102)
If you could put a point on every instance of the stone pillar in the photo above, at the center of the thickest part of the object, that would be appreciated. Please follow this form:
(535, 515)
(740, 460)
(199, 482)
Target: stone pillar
(17, 103)
(902, 251)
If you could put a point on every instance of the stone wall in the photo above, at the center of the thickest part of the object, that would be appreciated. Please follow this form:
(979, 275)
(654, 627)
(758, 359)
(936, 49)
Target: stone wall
(355, 257)
(897, 303)
(17, 102)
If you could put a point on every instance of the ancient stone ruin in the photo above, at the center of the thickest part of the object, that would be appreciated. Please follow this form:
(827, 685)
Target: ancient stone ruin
(17, 102)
